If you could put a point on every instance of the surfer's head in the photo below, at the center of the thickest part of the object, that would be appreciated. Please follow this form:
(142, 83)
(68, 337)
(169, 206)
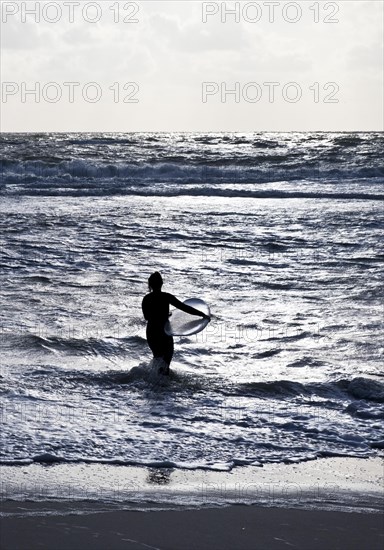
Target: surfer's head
(155, 281)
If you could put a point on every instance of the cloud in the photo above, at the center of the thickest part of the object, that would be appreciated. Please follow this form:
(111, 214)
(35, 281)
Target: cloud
(170, 52)
(23, 36)
(366, 58)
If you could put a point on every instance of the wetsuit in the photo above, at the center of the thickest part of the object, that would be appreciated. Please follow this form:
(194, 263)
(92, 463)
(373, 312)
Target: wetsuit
(156, 312)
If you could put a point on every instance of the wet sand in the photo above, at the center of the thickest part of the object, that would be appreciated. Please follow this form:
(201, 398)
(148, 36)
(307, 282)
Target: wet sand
(330, 504)
(231, 528)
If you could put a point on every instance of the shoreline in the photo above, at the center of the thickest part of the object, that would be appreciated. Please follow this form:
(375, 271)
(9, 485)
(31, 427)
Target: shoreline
(333, 484)
(333, 503)
(230, 528)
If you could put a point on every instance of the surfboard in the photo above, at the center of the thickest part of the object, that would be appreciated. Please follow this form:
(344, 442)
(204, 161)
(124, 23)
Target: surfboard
(184, 324)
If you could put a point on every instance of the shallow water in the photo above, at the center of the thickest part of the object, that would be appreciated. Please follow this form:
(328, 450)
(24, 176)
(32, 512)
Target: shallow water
(289, 257)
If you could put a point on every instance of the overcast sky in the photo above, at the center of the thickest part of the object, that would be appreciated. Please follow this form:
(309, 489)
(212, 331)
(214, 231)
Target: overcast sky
(326, 75)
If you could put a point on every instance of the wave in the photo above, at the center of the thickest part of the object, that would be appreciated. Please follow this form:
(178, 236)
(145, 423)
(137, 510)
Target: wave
(95, 177)
(118, 188)
(357, 388)
(49, 458)
(224, 466)
(252, 169)
(138, 163)
(104, 347)
(364, 388)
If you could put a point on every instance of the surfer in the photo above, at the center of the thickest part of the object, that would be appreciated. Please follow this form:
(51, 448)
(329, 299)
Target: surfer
(155, 308)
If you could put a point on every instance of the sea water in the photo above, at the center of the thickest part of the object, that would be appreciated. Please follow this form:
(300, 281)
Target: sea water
(281, 234)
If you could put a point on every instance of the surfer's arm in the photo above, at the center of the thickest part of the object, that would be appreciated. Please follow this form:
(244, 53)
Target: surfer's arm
(144, 309)
(188, 309)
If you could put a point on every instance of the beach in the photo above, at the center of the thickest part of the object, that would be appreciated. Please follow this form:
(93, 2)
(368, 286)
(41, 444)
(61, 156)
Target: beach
(327, 504)
(268, 431)
(233, 528)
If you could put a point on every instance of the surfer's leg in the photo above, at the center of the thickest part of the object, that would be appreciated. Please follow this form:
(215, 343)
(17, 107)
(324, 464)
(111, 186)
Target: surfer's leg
(162, 348)
(165, 352)
(154, 342)
(168, 352)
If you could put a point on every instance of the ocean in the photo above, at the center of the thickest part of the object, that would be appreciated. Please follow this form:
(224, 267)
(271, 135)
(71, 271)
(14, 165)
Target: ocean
(281, 234)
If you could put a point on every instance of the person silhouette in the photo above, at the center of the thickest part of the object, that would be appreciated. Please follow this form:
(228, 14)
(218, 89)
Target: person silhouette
(155, 306)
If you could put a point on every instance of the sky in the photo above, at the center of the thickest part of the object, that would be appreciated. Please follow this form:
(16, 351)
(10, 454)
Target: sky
(191, 66)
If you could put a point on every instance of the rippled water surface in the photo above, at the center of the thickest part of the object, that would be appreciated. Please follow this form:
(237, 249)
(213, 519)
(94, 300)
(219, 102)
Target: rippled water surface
(280, 233)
